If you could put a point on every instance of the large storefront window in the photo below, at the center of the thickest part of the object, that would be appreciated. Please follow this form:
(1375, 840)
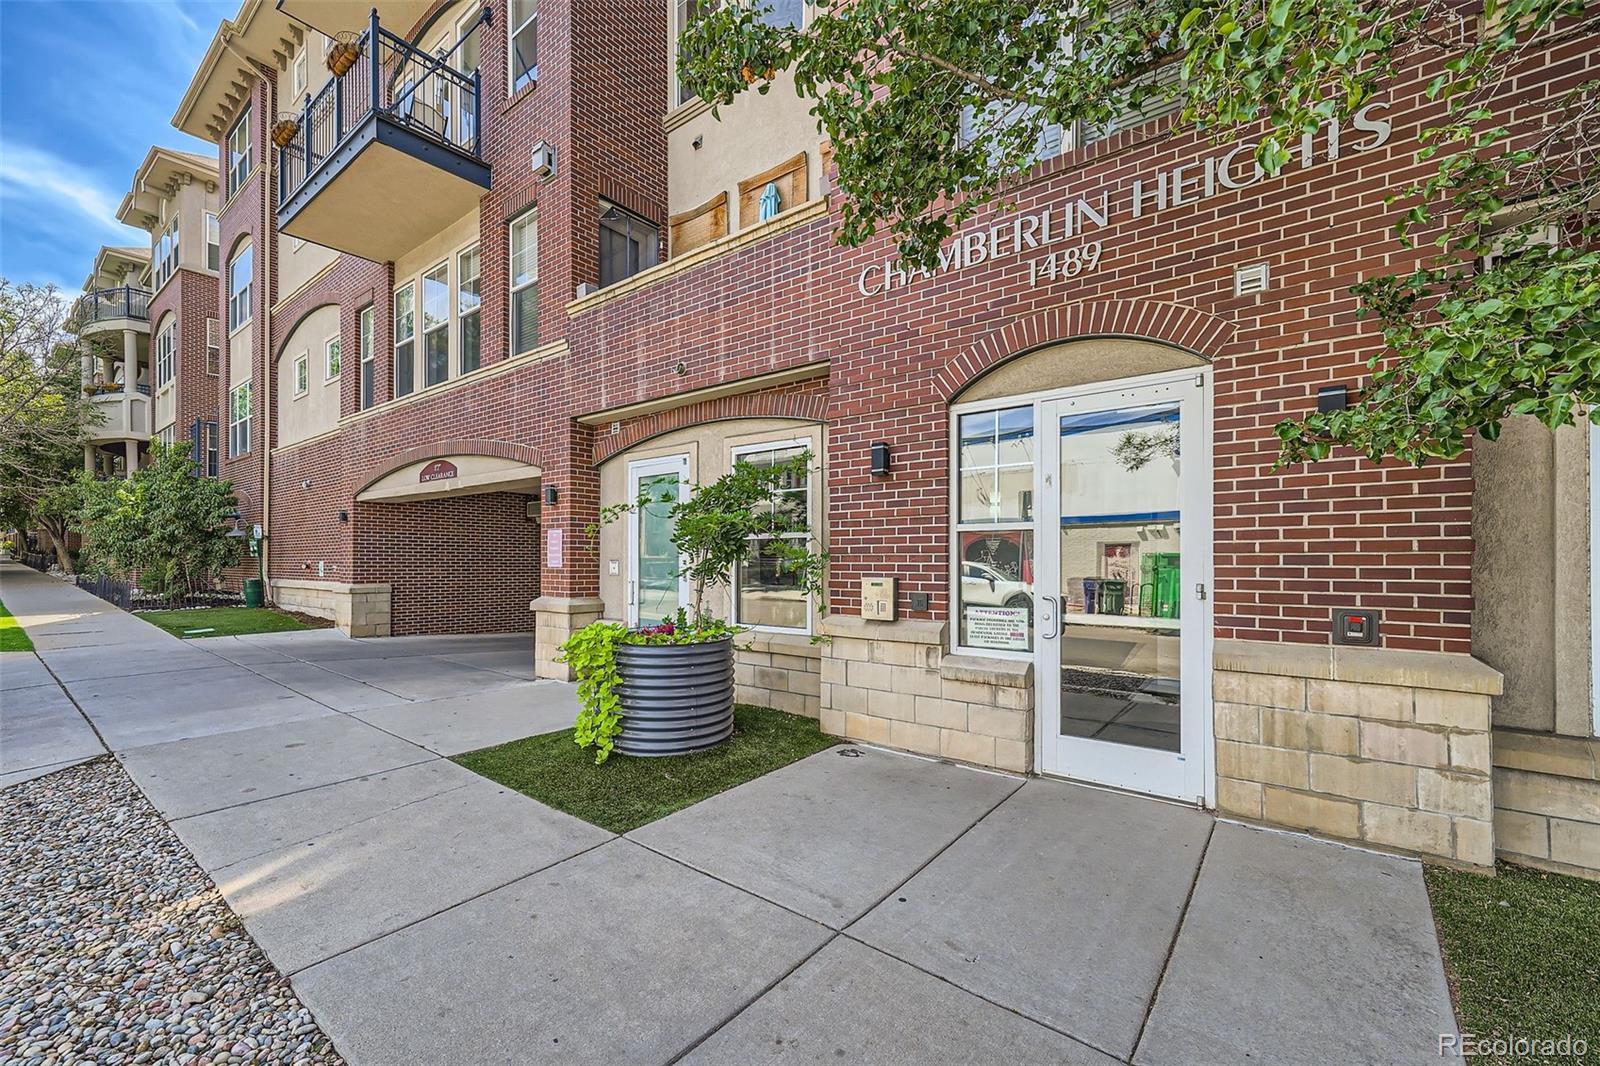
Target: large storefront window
(764, 593)
(994, 525)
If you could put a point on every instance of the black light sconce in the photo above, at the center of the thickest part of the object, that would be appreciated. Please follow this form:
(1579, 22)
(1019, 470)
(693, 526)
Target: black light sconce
(550, 495)
(344, 516)
(1332, 398)
(880, 460)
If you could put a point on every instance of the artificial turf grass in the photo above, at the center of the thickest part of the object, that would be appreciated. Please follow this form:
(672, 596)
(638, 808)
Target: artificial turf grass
(225, 621)
(12, 636)
(625, 792)
(1523, 953)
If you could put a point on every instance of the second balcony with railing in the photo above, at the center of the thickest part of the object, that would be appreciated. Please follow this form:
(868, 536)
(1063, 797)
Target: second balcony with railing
(387, 154)
(123, 307)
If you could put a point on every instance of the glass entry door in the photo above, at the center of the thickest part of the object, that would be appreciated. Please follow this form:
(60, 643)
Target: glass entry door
(655, 589)
(1123, 539)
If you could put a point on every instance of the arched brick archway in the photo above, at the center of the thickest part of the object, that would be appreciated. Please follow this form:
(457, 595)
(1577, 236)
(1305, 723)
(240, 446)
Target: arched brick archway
(806, 405)
(1183, 327)
(497, 449)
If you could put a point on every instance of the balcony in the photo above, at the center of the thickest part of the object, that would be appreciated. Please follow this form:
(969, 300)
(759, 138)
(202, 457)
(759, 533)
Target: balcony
(386, 155)
(123, 415)
(102, 310)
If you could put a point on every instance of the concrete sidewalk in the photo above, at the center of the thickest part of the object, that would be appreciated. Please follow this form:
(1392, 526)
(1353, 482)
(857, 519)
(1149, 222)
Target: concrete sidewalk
(857, 906)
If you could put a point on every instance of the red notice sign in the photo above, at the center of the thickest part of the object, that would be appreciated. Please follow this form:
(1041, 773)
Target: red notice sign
(438, 470)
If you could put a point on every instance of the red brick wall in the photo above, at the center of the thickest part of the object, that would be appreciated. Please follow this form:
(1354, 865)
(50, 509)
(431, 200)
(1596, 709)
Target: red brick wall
(192, 296)
(467, 564)
(1288, 544)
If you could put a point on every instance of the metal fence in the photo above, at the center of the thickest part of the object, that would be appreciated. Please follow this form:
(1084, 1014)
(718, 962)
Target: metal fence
(40, 561)
(132, 598)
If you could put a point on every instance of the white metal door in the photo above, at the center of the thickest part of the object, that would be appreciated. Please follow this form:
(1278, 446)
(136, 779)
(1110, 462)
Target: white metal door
(656, 587)
(1124, 534)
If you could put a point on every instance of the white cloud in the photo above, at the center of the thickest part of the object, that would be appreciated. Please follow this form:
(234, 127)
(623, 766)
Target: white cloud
(32, 176)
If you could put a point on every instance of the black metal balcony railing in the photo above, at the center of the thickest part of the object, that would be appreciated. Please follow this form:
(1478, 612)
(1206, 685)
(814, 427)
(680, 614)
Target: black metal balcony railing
(98, 305)
(392, 79)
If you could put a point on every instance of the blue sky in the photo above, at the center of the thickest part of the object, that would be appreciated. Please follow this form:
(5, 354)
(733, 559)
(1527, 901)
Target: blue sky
(86, 87)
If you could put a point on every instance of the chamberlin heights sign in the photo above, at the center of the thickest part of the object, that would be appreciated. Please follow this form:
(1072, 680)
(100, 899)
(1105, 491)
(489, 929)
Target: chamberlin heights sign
(1178, 186)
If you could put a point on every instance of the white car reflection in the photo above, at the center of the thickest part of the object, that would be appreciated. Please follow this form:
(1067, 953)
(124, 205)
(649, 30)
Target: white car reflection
(992, 587)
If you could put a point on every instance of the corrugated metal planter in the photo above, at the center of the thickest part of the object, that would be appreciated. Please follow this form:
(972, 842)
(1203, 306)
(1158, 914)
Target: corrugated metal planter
(676, 698)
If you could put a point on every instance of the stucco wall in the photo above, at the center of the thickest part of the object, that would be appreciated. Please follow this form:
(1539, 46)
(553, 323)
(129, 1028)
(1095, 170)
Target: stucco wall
(1531, 574)
(300, 417)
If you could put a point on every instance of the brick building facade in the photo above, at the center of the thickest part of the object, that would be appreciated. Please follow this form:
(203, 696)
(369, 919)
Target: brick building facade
(1144, 279)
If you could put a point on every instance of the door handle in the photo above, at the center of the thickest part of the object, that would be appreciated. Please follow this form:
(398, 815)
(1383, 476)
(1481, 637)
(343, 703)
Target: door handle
(1052, 616)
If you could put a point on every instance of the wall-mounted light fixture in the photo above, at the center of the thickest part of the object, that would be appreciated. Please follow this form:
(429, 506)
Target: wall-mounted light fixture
(880, 460)
(1332, 398)
(550, 495)
(344, 516)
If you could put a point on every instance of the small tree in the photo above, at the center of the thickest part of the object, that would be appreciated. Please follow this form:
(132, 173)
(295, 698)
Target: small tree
(752, 508)
(165, 523)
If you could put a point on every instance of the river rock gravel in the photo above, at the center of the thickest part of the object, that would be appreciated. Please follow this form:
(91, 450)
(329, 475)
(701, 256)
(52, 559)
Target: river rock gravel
(115, 947)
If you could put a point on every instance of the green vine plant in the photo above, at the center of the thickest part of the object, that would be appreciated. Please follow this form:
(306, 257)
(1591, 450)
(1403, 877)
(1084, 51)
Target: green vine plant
(754, 508)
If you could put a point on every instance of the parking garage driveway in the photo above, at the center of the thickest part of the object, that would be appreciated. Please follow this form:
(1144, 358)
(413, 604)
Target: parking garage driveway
(858, 906)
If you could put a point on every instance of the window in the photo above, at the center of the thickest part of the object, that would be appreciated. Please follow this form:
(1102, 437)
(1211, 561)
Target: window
(302, 373)
(166, 353)
(628, 244)
(203, 447)
(168, 435)
(239, 420)
(524, 284)
(436, 325)
(165, 260)
(297, 84)
(239, 153)
(523, 55)
(213, 243)
(764, 593)
(368, 358)
(467, 304)
(330, 357)
(405, 327)
(213, 349)
(994, 528)
(469, 54)
(239, 283)
(774, 13)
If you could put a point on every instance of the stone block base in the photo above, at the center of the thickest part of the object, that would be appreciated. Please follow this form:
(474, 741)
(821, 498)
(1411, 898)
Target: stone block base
(1547, 801)
(1385, 748)
(892, 683)
(779, 670)
(359, 610)
(555, 618)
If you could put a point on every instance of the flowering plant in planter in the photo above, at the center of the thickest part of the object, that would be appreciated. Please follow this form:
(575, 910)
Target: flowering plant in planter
(667, 688)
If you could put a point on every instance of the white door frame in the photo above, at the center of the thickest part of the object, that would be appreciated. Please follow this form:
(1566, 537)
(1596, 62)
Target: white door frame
(638, 470)
(1187, 775)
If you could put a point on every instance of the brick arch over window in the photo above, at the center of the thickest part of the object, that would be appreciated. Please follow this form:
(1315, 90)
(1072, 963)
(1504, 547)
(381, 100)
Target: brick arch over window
(300, 320)
(498, 449)
(809, 405)
(1204, 334)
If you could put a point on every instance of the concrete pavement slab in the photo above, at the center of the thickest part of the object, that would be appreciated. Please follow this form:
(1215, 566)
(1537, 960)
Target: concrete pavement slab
(852, 1004)
(326, 686)
(22, 669)
(208, 773)
(615, 956)
(1061, 905)
(829, 835)
(17, 777)
(157, 708)
(240, 651)
(419, 677)
(157, 654)
(456, 724)
(1295, 950)
(517, 662)
(224, 837)
(317, 898)
(40, 726)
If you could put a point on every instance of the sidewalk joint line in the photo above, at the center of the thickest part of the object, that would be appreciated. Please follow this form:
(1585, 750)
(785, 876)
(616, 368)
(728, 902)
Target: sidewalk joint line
(1177, 932)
